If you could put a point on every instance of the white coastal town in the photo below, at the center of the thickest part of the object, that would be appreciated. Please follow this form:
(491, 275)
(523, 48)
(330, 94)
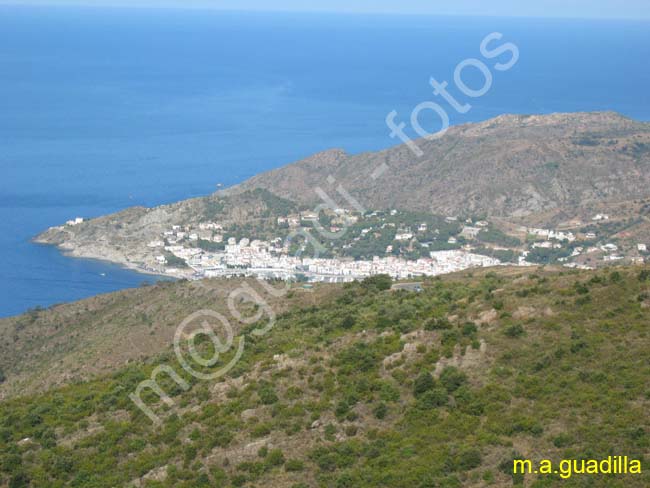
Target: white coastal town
(273, 261)
(392, 243)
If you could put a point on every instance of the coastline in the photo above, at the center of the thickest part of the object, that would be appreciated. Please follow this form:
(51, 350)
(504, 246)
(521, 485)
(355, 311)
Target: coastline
(444, 262)
(125, 265)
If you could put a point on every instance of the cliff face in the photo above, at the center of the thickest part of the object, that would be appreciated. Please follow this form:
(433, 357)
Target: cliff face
(512, 165)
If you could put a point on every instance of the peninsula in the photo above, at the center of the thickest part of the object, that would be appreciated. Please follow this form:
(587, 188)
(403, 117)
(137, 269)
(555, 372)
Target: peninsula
(571, 189)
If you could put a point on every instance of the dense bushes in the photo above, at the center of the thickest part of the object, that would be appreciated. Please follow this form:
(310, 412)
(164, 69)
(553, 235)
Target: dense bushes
(378, 282)
(569, 381)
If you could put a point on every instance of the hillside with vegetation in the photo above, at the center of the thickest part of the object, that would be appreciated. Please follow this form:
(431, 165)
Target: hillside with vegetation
(359, 385)
(77, 341)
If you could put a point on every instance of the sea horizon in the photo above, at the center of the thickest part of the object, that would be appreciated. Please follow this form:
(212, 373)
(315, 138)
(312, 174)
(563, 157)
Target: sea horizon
(162, 106)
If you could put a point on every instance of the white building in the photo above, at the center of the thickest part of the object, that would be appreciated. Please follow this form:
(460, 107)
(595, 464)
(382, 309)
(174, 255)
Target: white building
(210, 226)
(76, 221)
(612, 258)
(470, 232)
(403, 236)
(309, 216)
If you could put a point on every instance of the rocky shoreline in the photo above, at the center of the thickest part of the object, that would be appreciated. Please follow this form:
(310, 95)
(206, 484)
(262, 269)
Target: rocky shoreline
(107, 255)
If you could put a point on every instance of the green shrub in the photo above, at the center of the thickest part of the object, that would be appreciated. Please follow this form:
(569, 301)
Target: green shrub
(348, 322)
(468, 459)
(450, 337)
(20, 480)
(219, 475)
(345, 481)
(452, 378)
(514, 331)
(562, 440)
(275, 457)
(469, 329)
(267, 395)
(437, 397)
(360, 357)
(380, 282)
(239, 480)
(424, 382)
(388, 393)
(380, 411)
(342, 409)
(437, 323)
(261, 430)
(294, 465)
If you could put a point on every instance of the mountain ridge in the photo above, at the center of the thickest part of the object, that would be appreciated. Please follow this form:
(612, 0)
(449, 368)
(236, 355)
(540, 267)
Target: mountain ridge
(488, 162)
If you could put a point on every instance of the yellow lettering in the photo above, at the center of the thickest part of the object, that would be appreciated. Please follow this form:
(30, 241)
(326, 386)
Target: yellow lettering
(579, 468)
(545, 466)
(592, 466)
(635, 466)
(565, 469)
(523, 466)
(606, 465)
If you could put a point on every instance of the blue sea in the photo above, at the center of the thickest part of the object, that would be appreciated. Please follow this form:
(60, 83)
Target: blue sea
(102, 109)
